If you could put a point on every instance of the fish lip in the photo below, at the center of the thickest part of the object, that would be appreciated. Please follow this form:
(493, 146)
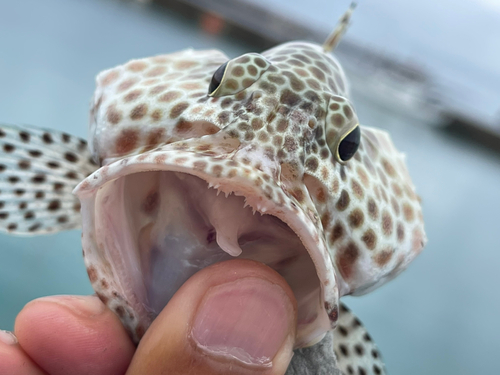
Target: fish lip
(300, 222)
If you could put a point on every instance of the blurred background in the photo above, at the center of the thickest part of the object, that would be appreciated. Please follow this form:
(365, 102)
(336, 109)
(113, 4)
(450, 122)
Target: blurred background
(426, 71)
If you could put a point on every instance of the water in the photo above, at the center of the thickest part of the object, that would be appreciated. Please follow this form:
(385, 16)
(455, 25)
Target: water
(438, 317)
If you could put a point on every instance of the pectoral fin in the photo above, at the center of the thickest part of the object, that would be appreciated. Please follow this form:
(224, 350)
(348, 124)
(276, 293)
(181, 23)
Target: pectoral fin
(356, 352)
(39, 169)
(348, 350)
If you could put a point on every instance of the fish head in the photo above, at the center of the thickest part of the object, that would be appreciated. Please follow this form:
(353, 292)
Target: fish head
(205, 158)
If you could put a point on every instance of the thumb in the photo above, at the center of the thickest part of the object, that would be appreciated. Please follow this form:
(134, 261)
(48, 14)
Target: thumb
(235, 317)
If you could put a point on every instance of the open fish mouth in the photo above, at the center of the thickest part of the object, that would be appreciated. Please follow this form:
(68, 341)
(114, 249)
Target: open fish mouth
(151, 221)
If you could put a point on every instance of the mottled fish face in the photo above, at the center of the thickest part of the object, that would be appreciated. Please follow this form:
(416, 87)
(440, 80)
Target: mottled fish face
(326, 203)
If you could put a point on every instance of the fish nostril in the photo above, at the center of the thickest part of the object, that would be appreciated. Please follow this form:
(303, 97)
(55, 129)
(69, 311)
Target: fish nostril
(257, 94)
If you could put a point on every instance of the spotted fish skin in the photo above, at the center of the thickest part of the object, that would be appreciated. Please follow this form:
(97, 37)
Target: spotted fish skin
(354, 347)
(348, 350)
(39, 168)
(269, 137)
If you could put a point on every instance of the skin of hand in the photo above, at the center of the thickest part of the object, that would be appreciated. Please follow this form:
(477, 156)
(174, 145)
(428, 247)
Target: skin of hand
(236, 317)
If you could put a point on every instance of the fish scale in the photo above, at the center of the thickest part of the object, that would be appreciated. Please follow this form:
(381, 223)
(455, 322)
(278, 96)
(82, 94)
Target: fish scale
(307, 190)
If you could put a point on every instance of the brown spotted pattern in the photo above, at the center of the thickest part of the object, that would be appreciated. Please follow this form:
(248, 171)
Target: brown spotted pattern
(38, 172)
(354, 347)
(240, 73)
(270, 134)
(144, 103)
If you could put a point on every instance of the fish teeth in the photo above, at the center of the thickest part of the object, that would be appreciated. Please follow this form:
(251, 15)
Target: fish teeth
(246, 204)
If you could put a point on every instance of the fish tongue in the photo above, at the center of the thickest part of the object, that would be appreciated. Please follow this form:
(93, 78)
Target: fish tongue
(227, 217)
(227, 238)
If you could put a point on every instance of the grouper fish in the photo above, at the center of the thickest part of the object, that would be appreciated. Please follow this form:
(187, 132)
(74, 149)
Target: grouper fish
(195, 158)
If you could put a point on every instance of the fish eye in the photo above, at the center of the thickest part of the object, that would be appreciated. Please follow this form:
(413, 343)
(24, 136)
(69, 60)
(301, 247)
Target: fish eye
(349, 144)
(217, 78)
(237, 75)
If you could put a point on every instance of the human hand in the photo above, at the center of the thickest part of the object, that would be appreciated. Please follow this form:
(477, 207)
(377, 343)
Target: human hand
(236, 317)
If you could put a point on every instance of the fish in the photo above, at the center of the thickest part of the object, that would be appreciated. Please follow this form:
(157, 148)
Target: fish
(196, 158)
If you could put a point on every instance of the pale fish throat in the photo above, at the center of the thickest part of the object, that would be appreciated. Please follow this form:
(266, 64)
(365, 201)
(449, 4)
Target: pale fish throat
(155, 229)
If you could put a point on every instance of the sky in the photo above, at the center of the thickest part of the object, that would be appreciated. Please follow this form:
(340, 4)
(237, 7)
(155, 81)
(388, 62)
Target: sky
(457, 40)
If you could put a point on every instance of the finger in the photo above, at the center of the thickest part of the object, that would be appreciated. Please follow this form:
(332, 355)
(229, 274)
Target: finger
(235, 317)
(13, 360)
(73, 335)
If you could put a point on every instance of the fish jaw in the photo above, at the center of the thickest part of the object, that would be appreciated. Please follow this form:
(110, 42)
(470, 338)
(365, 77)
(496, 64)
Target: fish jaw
(120, 252)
